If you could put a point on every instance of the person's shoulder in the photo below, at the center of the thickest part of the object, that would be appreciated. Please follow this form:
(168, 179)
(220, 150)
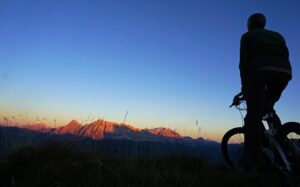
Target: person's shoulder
(245, 36)
(271, 31)
(253, 33)
(260, 32)
(274, 33)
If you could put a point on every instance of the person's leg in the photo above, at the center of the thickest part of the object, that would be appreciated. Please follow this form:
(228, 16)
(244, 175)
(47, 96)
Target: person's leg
(276, 84)
(254, 128)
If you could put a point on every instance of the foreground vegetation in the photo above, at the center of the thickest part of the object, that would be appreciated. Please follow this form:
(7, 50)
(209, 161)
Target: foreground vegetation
(61, 165)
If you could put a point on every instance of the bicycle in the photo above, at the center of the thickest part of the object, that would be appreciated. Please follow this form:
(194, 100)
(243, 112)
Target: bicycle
(280, 148)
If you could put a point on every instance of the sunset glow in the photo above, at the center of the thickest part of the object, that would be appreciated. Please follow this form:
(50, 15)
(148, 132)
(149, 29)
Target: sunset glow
(167, 63)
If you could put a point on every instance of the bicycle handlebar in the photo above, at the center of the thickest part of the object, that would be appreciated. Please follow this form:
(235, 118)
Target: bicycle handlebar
(237, 99)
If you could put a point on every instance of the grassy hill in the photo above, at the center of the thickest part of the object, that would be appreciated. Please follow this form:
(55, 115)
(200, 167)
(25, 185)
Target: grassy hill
(61, 164)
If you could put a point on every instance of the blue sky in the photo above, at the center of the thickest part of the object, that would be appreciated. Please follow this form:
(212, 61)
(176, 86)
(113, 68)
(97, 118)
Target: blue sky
(168, 62)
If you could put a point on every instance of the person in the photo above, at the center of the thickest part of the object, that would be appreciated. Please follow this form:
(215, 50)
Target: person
(265, 71)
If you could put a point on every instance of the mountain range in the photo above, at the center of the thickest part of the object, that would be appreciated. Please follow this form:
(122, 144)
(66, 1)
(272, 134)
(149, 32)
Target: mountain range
(109, 138)
(101, 129)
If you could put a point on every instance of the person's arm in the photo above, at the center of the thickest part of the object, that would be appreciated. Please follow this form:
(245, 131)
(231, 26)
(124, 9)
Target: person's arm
(243, 62)
(284, 45)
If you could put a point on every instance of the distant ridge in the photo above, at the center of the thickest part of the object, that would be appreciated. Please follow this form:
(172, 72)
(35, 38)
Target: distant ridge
(41, 127)
(102, 129)
(166, 132)
(109, 138)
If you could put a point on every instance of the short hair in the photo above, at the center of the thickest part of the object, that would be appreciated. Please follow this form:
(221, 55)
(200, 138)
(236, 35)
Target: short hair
(257, 21)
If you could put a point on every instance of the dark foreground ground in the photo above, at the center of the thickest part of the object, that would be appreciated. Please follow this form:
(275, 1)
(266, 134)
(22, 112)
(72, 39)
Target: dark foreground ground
(59, 165)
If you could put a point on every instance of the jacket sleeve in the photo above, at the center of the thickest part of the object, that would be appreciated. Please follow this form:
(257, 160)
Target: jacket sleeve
(243, 61)
(285, 47)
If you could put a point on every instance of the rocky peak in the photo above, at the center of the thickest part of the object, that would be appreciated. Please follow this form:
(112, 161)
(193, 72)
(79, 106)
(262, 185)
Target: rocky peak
(71, 128)
(165, 132)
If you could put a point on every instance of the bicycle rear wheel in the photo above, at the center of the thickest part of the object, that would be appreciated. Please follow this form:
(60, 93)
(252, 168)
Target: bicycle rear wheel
(289, 138)
(232, 146)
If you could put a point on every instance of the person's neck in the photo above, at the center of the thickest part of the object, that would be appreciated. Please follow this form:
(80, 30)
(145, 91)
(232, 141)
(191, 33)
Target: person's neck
(253, 29)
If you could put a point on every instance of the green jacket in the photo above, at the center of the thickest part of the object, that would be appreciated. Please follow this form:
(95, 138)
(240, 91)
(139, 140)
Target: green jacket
(261, 50)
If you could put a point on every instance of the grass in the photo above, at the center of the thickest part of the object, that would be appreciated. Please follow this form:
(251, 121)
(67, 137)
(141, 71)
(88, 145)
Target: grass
(60, 165)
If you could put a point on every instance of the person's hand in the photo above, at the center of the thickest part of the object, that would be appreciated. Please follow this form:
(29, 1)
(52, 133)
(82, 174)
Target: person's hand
(238, 96)
(237, 99)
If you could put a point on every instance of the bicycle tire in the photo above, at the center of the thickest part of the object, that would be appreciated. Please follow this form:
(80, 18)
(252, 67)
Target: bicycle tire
(281, 176)
(225, 146)
(291, 144)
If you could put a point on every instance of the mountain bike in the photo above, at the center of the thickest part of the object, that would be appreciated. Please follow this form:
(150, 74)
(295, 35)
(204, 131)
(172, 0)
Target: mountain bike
(280, 148)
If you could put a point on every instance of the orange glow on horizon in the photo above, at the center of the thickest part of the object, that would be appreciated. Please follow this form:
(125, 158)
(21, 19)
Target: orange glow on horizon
(28, 118)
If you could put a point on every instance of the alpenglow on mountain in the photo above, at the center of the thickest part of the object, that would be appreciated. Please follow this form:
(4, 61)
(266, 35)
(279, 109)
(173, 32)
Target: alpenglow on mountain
(101, 129)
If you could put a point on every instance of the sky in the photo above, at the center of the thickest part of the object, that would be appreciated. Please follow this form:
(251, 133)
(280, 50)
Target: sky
(165, 62)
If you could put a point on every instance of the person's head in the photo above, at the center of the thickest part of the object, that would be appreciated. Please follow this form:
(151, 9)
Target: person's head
(256, 21)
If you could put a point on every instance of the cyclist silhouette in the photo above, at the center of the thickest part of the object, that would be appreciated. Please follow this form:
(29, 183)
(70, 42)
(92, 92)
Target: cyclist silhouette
(264, 63)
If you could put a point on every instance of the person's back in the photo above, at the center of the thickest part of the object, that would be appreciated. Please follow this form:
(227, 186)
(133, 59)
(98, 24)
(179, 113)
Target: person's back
(264, 62)
(266, 50)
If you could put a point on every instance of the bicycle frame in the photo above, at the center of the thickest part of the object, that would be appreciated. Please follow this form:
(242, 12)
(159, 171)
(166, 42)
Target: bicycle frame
(274, 145)
(270, 135)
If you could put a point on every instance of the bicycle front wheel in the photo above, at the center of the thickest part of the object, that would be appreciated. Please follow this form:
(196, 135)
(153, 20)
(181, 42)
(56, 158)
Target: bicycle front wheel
(232, 146)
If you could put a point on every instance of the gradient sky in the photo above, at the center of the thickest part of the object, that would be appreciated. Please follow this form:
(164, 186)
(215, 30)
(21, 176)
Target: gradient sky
(168, 62)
